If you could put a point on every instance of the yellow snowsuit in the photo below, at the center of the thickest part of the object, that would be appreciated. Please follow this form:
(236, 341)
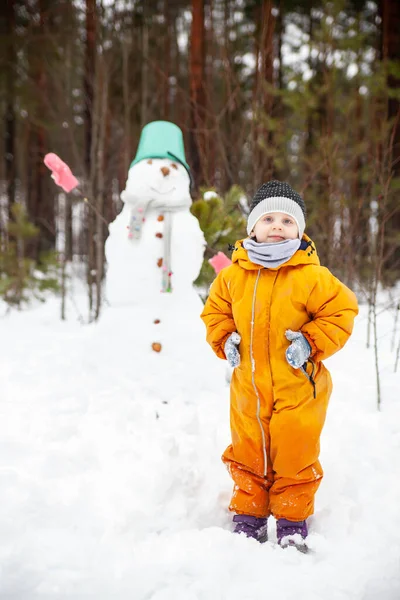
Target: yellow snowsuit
(276, 415)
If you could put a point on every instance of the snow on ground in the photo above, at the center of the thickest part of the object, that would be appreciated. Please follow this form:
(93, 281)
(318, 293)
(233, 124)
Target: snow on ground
(111, 483)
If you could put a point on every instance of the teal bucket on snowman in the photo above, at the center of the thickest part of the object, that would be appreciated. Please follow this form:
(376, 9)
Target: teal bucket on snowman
(161, 139)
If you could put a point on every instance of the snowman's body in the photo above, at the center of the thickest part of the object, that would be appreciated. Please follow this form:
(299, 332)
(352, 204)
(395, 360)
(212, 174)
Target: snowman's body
(135, 266)
(156, 208)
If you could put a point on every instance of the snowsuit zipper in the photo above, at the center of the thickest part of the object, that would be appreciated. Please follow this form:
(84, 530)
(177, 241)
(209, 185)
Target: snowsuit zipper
(253, 368)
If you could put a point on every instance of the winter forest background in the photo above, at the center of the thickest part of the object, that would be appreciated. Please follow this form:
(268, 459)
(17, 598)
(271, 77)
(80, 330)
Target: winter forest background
(110, 473)
(307, 92)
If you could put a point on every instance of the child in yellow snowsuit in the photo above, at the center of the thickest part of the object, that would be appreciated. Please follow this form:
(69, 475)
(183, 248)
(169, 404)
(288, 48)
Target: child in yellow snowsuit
(276, 314)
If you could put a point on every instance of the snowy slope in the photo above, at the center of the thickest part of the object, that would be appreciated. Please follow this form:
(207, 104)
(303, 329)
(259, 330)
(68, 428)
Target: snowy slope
(112, 486)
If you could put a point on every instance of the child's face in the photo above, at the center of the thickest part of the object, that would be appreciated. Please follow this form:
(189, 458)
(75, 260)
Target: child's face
(275, 227)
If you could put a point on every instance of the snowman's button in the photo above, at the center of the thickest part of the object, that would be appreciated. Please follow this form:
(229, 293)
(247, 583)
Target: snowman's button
(160, 218)
(159, 262)
(159, 235)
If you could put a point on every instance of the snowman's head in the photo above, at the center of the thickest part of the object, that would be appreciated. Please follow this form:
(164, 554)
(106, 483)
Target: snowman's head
(157, 183)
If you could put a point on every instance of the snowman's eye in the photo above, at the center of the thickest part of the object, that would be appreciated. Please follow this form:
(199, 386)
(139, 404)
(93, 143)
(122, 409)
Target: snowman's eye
(149, 162)
(174, 166)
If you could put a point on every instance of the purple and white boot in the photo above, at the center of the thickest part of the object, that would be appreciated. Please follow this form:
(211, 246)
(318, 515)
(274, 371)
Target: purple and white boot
(292, 533)
(253, 527)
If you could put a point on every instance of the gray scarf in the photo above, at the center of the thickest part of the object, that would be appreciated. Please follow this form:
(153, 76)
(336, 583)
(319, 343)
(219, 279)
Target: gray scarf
(271, 255)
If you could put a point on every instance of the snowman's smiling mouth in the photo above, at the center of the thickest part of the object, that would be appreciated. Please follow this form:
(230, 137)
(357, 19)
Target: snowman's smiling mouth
(162, 193)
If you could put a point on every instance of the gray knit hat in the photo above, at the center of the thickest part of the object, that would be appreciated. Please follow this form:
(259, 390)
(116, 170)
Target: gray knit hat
(277, 196)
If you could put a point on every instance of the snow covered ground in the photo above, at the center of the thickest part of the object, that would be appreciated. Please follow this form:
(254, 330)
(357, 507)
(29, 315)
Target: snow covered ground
(111, 483)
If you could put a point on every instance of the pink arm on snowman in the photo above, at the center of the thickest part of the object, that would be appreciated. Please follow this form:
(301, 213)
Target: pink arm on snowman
(61, 173)
(219, 261)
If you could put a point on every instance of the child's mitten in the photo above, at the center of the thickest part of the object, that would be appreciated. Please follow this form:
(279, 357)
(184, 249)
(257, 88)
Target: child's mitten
(299, 350)
(231, 351)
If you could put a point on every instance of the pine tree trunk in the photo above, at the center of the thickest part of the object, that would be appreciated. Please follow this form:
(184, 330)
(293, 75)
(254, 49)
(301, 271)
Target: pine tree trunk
(197, 92)
(126, 99)
(318, 158)
(267, 62)
(264, 100)
(69, 245)
(145, 67)
(101, 186)
(226, 133)
(10, 118)
(88, 85)
(279, 107)
(254, 123)
(179, 107)
(67, 252)
(213, 159)
(390, 14)
(357, 240)
(167, 62)
(89, 144)
(40, 198)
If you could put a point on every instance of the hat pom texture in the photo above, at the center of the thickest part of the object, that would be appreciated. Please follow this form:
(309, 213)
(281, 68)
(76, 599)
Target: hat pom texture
(277, 196)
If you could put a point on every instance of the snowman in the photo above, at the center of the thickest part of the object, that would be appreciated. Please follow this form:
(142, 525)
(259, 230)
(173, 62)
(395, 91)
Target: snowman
(155, 248)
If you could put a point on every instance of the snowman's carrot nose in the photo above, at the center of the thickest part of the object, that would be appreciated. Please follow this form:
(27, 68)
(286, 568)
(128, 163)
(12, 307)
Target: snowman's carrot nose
(165, 171)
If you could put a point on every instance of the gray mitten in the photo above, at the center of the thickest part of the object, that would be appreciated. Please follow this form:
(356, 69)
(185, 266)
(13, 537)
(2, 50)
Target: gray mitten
(299, 350)
(231, 351)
